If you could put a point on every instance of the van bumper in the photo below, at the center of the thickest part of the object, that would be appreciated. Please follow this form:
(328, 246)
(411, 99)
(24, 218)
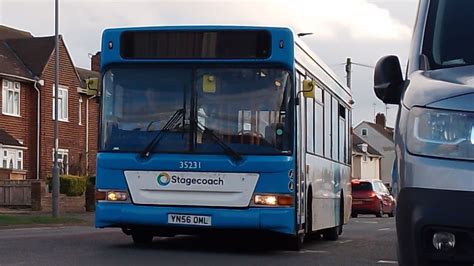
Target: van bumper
(422, 212)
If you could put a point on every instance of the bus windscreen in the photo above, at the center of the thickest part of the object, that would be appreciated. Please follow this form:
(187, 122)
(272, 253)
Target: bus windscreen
(237, 44)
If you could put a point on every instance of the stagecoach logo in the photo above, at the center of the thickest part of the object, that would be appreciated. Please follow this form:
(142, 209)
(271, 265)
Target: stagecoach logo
(163, 179)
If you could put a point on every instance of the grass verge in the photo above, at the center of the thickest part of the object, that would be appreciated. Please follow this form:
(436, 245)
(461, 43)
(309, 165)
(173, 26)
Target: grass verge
(9, 220)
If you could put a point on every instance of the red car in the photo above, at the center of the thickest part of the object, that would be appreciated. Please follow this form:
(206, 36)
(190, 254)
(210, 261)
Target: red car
(371, 197)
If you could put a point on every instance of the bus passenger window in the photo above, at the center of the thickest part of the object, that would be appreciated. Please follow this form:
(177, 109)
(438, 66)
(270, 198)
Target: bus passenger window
(309, 125)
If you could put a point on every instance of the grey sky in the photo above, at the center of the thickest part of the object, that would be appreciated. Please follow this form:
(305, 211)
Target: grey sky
(362, 29)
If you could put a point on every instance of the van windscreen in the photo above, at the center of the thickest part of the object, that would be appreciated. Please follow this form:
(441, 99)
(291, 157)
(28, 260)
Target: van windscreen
(449, 35)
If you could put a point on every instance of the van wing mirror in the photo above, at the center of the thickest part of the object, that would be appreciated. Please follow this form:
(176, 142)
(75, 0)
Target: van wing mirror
(388, 80)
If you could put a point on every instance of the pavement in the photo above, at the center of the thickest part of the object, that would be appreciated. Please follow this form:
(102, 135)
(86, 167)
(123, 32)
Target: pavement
(366, 241)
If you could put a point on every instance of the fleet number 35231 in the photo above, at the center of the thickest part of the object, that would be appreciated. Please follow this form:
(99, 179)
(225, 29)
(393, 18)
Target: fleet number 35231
(189, 165)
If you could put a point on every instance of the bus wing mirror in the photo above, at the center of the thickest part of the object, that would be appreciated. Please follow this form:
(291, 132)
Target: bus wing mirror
(388, 80)
(308, 88)
(92, 86)
(209, 83)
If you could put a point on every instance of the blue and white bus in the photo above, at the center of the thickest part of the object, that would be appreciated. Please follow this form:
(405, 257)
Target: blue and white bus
(207, 128)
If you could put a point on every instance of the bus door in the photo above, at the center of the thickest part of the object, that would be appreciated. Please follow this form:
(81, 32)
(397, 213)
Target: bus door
(301, 155)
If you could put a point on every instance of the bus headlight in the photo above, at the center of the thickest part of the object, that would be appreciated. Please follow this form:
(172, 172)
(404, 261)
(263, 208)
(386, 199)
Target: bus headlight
(441, 133)
(272, 200)
(117, 196)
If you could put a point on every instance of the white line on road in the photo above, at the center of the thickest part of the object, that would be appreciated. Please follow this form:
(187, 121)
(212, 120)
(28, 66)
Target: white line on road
(345, 241)
(366, 222)
(306, 251)
(385, 229)
(313, 251)
(387, 262)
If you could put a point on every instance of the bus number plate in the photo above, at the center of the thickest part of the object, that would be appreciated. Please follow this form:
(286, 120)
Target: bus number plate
(189, 219)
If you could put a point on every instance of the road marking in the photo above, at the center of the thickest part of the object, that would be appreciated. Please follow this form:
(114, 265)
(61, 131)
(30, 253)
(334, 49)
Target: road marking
(385, 229)
(366, 222)
(306, 251)
(387, 262)
(345, 241)
(312, 251)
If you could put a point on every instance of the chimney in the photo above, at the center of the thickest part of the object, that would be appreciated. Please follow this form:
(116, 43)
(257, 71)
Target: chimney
(380, 119)
(95, 62)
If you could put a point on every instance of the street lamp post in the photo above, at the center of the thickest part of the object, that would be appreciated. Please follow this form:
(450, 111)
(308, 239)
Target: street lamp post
(55, 201)
(349, 72)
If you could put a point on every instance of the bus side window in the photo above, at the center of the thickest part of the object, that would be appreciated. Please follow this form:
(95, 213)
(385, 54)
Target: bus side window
(335, 129)
(309, 125)
(327, 124)
(342, 134)
(319, 122)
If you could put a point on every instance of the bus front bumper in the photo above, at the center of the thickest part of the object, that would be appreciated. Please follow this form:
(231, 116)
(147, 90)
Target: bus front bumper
(423, 212)
(127, 215)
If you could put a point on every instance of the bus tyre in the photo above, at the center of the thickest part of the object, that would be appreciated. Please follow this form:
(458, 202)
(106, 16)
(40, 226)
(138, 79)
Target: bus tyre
(331, 234)
(341, 216)
(142, 238)
(310, 235)
(295, 243)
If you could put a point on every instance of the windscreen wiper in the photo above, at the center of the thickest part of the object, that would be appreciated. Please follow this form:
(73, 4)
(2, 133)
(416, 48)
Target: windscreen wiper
(172, 122)
(235, 156)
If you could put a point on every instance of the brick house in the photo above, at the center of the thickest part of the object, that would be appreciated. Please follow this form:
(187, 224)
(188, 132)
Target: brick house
(27, 79)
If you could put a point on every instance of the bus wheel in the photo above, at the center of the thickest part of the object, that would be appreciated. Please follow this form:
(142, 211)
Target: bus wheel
(341, 216)
(141, 238)
(295, 243)
(331, 234)
(310, 235)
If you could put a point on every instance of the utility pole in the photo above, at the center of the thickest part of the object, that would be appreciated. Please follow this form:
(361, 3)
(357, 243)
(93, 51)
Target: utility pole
(55, 201)
(349, 72)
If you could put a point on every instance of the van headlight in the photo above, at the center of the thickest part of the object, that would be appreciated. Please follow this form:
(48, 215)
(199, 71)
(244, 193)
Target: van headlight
(441, 133)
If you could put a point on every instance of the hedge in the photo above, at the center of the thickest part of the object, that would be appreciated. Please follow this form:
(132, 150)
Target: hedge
(71, 185)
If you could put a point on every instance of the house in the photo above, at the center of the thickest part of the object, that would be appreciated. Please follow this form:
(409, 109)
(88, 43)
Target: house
(365, 160)
(27, 109)
(380, 137)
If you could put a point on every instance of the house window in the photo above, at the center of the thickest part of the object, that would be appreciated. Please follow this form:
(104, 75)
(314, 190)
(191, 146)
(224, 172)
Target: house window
(12, 159)
(5, 159)
(62, 104)
(63, 161)
(10, 98)
(19, 160)
(80, 110)
(364, 132)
